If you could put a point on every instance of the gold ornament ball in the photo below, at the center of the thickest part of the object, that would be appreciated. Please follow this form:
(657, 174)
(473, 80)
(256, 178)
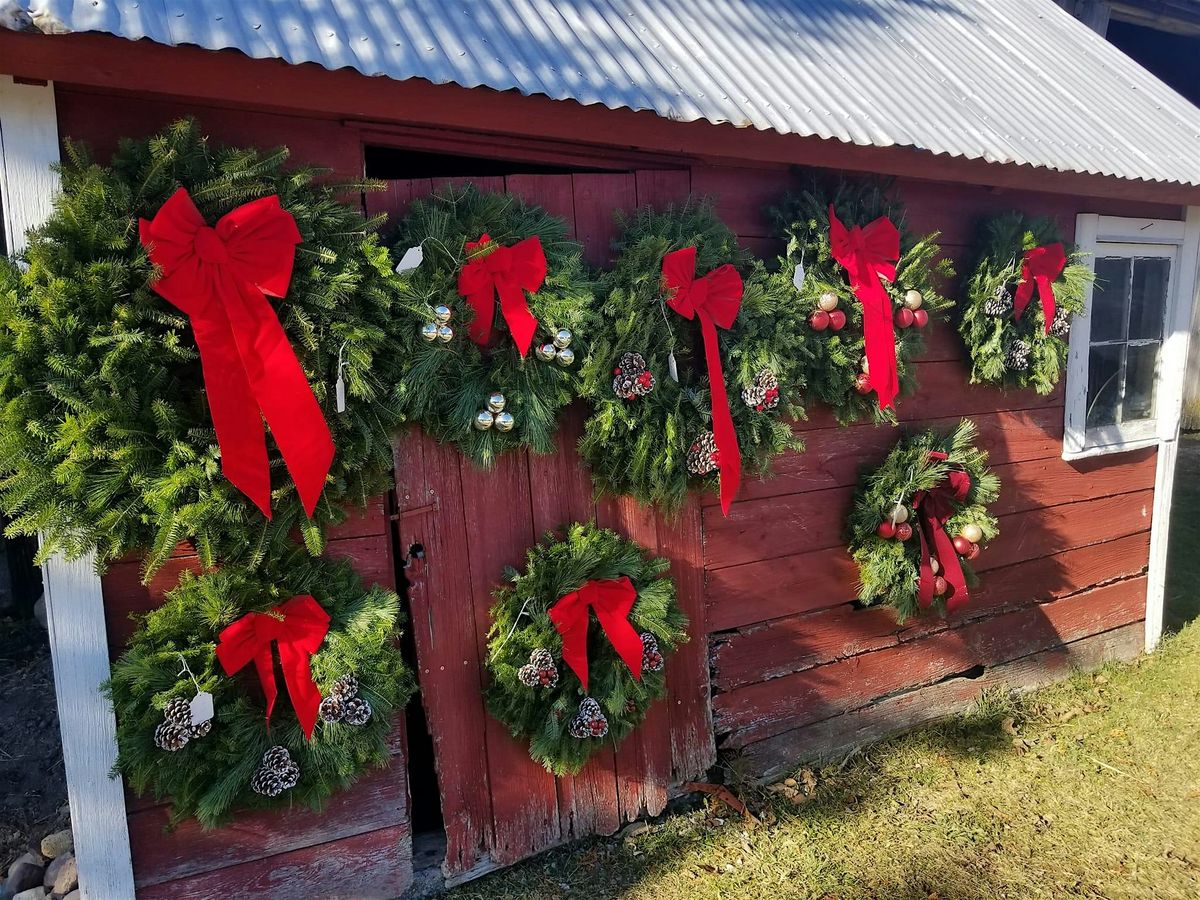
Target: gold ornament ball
(899, 514)
(566, 356)
(445, 333)
(972, 533)
(483, 420)
(496, 402)
(505, 421)
(441, 314)
(913, 299)
(562, 338)
(828, 301)
(429, 331)
(934, 565)
(546, 352)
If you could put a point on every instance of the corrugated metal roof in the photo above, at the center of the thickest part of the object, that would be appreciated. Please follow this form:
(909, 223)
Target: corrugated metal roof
(1009, 81)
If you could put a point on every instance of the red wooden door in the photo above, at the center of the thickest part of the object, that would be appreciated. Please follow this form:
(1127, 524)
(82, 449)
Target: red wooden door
(498, 805)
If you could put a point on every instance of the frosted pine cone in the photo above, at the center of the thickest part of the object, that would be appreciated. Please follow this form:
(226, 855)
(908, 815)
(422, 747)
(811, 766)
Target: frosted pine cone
(276, 758)
(195, 732)
(171, 737)
(763, 394)
(1060, 327)
(590, 722)
(332, 709)
(277, 773)
(652, 660)
(1017, 357)
(702, 456)
(358, 711)
(1000, 303)
(631, 378)
(345, 687)
(178, 712)
(540, 671)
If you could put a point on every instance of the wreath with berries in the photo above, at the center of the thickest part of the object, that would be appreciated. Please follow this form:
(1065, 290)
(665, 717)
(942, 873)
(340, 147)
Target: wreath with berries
(839, 375)
(656, 421)
(495, 312)
(210, 741)
(1024, 271)
(920, 519)
(107, 441)
(578, 643)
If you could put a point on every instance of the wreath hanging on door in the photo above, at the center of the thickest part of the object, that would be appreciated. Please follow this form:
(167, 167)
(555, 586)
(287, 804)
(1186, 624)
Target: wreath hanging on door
(578, 644)
(200, 718)
(493, 321)
(698, 364)
(920, 519)
(1025, 288)
(868, 287)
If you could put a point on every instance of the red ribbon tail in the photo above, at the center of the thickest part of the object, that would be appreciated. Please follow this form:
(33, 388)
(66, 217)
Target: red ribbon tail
(1024, 292)
(265, 667)
(1049, 304)
(951, 569)
(521, 323)
(297, 675)
(730, 463)
(613, 601)
(879, 332)
(570, 617)
(926, 580)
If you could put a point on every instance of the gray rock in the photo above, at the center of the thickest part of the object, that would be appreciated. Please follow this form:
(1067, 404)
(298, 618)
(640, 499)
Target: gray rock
(34, 893)
(66, 879)
(21, 877)
(55, 845)
(31, 857)
(74, 895)
(39, 611)
(56, 866)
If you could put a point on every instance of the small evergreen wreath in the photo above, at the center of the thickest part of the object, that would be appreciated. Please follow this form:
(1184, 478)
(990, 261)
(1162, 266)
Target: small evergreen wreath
(919, 519)
(106, 438)
(238, 761)
(487, 398)
(535, 690)
(1020, 350)
(651, 435)
(838, 375)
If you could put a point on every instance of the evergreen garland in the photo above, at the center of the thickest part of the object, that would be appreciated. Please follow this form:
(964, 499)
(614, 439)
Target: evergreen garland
(210, 776)
(542, 712)
(444, 386)
(638, 438)
(882, 538)
(838, 355)
(106, 442)
(1014, 352)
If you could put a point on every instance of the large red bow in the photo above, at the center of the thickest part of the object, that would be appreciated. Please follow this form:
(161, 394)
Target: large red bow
(508, 272)
(220, 278)
(298, 626)
(715, 300)
(1040, 266)
(868, 255)
(934, 508)
(611, 600)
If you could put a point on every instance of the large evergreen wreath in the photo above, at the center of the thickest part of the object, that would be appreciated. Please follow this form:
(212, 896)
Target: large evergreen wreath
(820, 286)
(487, 398)
(1023, 350)
(210, 771)
(534, 691)
(919, 519)
(106, 439)
(651, 434)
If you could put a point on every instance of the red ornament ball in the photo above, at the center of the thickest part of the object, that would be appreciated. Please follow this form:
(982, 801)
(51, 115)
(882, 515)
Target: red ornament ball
(903, 531)
(862, 383)
(974, 551)
(962, 546)
(819, 320)
(837, 320)
(886, 529)
(920, 318)
(904, 317)
(940, 586)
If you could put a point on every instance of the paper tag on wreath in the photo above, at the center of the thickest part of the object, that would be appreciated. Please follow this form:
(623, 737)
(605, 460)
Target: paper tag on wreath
(412, 258)
(202, 708)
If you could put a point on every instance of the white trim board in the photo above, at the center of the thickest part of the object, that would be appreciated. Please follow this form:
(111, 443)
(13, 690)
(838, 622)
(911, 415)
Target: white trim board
(74, 602)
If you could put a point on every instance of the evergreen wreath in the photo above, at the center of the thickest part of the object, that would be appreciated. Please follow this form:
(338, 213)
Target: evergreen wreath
(237, 761)
(106, 440)
(650, 435)
(890, 522)
(533, 692)
(837, 376)
(486, 399)
(1004, 349)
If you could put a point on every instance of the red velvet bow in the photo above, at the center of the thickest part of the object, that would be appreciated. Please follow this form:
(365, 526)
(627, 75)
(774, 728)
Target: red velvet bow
(611, 600)
(298, 626)
(1040, 266)
(508, 272)
(715, 300)
(934, 508)
(868, 255)
(220, 277)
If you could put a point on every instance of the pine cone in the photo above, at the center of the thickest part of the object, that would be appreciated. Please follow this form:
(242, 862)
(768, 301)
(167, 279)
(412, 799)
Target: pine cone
(1000, 303)
(277, 773)
(195, 732)
(763, 394)
(702, 456)
(332, 709)
(541, 659)
(171, 737)
(358, 711)
(1017, 357)
(590, 722)
(345, 687)
(276, 758)
(528, 675)
(631, 377)
(1060, 327)
(652, 660)
(178, 711)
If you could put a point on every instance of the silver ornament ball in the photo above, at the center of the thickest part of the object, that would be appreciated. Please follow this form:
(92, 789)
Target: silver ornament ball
(441, 314)
(546, 352)
(483, 420)
(445, 333)
(505, 421)
(496, 402)
(429, 331)
(566, 356)
(562, 338)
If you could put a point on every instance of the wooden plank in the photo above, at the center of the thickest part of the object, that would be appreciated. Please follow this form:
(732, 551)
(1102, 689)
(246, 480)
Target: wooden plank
(1054, 481)
(659, 187)
(743, 195)
(760, 710)
(371, 557)
(554, 193)
(782, 646)
(597, 198)
(776, 756)
(361, 522)
(372, 866)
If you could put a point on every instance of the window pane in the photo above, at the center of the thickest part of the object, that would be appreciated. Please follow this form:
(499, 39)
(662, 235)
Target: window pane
(1104, 385)
(1141, 365)
(1109, 297)
(1149, 297)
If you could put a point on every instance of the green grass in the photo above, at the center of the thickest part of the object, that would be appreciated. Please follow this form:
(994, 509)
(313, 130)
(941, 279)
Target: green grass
(1089, 788)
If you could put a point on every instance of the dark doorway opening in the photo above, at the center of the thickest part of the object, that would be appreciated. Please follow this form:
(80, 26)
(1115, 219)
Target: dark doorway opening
(399, 163)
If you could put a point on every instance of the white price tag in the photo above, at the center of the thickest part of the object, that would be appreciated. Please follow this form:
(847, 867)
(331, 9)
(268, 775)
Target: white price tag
(340, 389)
(412, 258)
(672, 369)
(202, 707)
(798, 275)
